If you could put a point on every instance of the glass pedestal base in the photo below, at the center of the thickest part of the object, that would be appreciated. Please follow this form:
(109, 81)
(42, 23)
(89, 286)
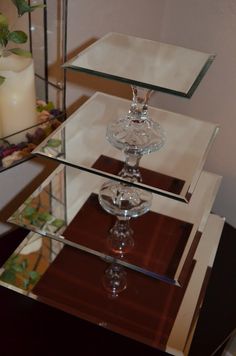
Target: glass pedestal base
(125, 202)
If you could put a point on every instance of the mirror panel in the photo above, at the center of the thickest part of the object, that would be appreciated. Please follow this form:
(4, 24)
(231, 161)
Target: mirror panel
(150, 64)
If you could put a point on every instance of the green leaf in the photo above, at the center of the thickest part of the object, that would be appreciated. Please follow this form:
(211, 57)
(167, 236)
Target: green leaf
(26, 283)
(53, 142)
(58, 223)
(44, 216)
(39, 6)
(34, 276)
(8, 276)
(20, 52)
(23, 7)
(49, 106)
(28, 212)
(4, 33)
(2, 80)
(18, 268)
(18, 37)
(3, 20)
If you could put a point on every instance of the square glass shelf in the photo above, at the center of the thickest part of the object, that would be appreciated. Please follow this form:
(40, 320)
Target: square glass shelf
(17, 147)
(153, 65)
(65, 207)
(71, 280)
(172, 171)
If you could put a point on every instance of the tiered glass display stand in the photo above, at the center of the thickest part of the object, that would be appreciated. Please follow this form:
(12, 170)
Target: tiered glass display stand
(175, 242)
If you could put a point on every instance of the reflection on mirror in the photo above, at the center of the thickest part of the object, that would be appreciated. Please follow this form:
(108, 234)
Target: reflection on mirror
(66, 207)
(17, 147)
(173, 170)
(169, 312)
(144, 63)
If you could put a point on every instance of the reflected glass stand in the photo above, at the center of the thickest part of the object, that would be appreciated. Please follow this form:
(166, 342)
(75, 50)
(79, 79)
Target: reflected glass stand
(114, 280)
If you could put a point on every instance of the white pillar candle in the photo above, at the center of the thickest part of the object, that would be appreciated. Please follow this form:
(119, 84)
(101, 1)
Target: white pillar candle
(17, 96)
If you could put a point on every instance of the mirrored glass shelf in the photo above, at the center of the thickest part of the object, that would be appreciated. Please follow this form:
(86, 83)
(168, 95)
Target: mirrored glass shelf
(17, 147)
(66, 208)
(153, 65)
(172, 171)
(164, 319)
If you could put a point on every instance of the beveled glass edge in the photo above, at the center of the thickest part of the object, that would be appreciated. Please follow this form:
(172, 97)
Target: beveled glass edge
(15, 163)
(60, 116)
(216, 223)
(103, 256)
(197, 174)
(183, 199)
(176, 280)
(203, 220)
(188, 94)
(201, 75)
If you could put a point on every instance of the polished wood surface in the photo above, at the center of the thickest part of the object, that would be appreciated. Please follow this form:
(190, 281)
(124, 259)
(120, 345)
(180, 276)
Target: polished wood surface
(166, 236)
(145, 311)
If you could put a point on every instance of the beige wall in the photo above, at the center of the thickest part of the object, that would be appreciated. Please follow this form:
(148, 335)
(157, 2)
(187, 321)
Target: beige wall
(210, 25)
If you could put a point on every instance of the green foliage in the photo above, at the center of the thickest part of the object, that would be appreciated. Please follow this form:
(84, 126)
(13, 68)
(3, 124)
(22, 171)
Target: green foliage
(48, 107)
(19, 37)
(2, 80)
(3, 20)
(17, 268)
(23, 7)
(41, 219)
(58, 223)
(54, 142)
(20, 52)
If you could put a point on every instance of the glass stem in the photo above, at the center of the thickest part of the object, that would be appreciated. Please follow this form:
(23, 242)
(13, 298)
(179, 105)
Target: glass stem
(140, 101)
(120, 239)
(131, 167)
(115, 280)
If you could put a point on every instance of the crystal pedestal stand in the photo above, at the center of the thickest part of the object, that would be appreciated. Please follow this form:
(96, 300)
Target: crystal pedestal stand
(125, 202)
(136, 134)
